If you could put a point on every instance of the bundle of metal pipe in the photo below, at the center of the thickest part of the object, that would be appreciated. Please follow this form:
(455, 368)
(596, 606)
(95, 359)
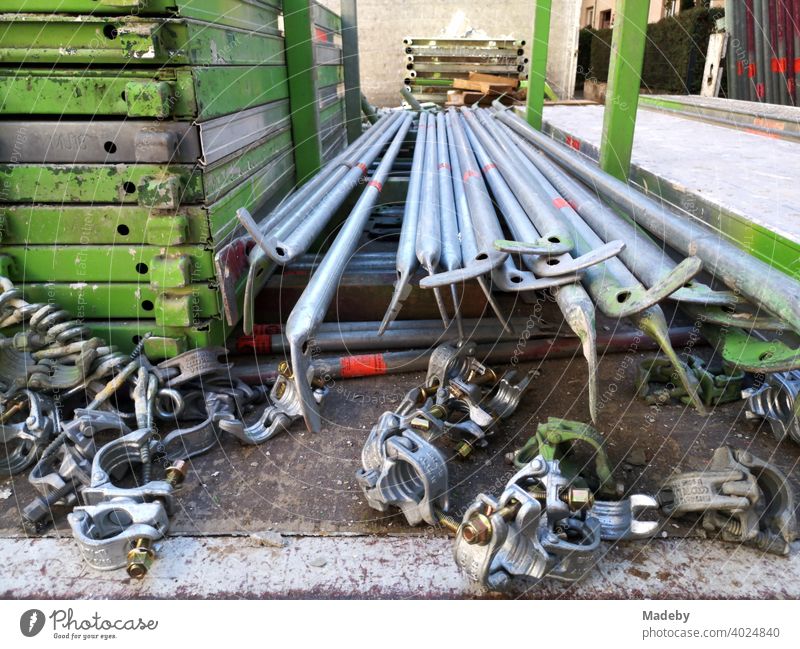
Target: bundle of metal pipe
(759, 299)
(763, 51)
(491, 200)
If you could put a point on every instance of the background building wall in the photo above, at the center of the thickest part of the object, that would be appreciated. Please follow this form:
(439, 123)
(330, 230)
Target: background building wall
(382, 25)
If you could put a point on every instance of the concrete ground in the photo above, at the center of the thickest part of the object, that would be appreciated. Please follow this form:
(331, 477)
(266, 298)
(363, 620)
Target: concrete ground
(286, 519)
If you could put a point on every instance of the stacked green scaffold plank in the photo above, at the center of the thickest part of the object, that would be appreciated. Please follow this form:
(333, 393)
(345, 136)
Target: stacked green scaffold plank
(131, 132)
(327, 28)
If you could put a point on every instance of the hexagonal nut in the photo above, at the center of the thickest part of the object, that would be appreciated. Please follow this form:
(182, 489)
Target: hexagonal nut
(140, 560)
(176, 473)
(477, 530)
(580, 498)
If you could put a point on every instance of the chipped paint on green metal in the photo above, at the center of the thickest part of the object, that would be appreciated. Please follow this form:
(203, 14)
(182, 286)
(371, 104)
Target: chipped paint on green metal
(538, 66)
(201, 93)
(325, 18)
(624, 81)
(95, 300)
(93, 263)
(102, 224)
(120, 183)
(125, 334)
(39, 38)
(250, 15)
(304, 79)
(350, 65)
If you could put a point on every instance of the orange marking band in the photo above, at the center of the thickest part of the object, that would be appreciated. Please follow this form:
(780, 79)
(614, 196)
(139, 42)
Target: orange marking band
(363, 365)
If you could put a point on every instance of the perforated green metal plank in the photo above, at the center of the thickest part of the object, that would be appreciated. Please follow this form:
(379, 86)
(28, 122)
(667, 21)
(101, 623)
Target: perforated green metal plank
(163, 267)
(201, 92)
(39, 38)
(172, 308)
(251, 15)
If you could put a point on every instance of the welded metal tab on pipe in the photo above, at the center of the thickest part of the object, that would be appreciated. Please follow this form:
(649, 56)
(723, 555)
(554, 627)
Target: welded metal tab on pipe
(469, 247)
(649, 263)
(555, 235)
(759, 282)
(310, 309)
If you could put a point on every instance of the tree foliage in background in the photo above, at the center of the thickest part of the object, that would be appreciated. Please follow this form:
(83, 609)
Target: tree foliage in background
(674, 56)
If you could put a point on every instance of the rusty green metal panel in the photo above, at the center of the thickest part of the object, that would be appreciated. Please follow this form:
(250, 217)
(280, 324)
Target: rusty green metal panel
(538, 66)
(95, 300)
(325, 18)
(330, 111)
(200, 93)
(624, 81)
(165, 341)
(159, 186)
(221, 178)
(39, 38)
(156, 186)
(164, 267)
(102, 224)
(328, 75)
(133, 224)
(250, 15)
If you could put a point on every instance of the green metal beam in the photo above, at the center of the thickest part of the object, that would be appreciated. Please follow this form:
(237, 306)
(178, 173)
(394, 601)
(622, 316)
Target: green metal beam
(298, 31)
(624, 80)
(538, 67)
(352, 77)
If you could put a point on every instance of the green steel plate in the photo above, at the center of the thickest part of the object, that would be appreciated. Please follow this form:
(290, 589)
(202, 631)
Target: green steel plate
(103, 224)
(165, 267)
(275, 180)
(250, 15)
(134, 224)
(327, 113)
(166, 341)
(200, 93)
(228, 173)
(35, 38)
(129, 300)
(323, 17)
(157, 186)
(328, 75)
(164, 186)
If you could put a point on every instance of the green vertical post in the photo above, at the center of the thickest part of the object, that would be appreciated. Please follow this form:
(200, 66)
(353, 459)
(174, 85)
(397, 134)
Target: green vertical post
(298, 34)
(538, 68)
(624, 81)
(352, 78)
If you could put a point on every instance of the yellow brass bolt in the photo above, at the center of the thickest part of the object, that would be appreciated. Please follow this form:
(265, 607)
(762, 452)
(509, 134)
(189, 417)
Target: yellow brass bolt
(446, 521)
(285, 370)
(141, 558)
(176, 473)
(464, 449)
(477, 530)
(438, 411)
(420, 423)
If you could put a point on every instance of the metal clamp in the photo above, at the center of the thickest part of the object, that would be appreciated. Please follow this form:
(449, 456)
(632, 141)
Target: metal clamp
(618, 518)
(776, 401)
(24, 440)
(714, 388)
(741, 499)
(539, 527)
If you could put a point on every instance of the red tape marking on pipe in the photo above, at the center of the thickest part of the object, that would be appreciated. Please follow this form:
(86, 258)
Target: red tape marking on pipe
(267, 329)
(470, 173)
(560, 203)
(363, 168)
(375, 184)
(739, 68)
(261, 344)
(575, 143)
(759, 90)
(363, 365)
(489, 167)
(751, 70)
(797, 65)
